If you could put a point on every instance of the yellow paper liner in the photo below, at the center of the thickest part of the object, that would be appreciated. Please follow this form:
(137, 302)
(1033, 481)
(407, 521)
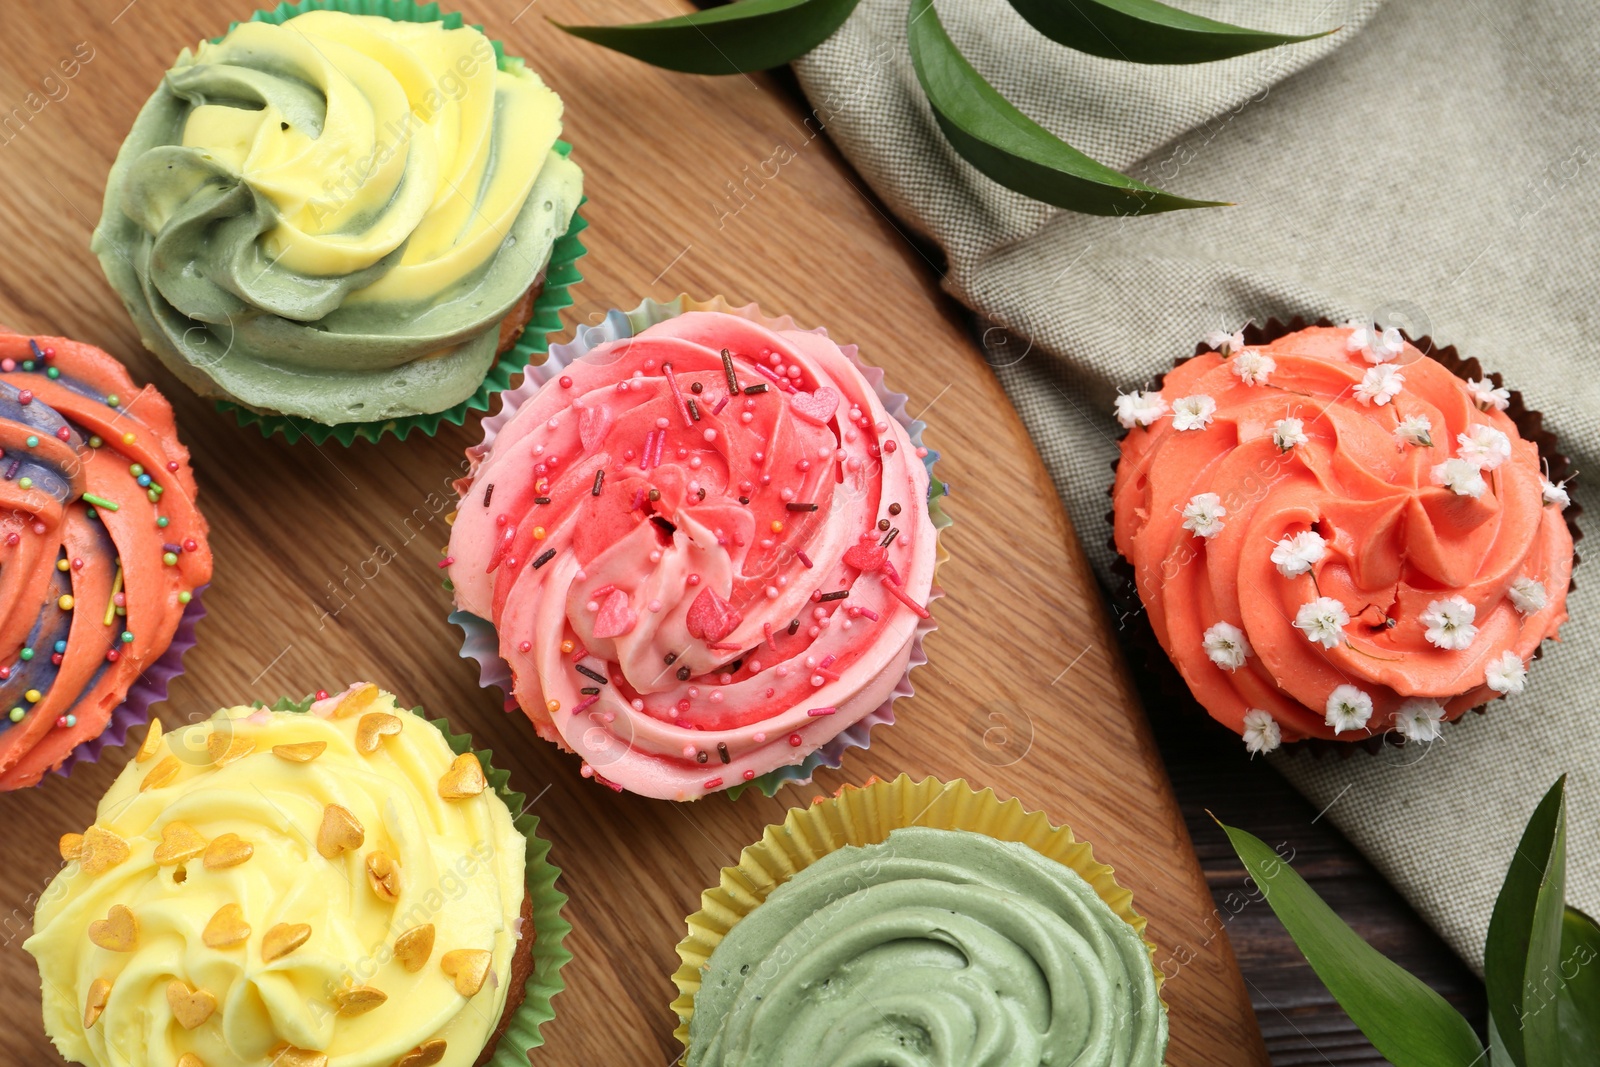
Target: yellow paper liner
(865, 815)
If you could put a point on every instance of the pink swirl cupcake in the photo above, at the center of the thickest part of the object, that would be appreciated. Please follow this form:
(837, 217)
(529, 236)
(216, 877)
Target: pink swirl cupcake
(705, 542)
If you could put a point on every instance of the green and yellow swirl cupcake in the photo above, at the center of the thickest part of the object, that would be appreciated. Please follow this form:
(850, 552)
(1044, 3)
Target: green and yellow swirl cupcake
(346, 220)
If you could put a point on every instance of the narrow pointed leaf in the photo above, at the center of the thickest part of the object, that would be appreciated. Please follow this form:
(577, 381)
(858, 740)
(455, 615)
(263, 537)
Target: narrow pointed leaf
(1144, 31)
(1003, 143)
(1522, 956)
(1579, 1001)
(731, 39)
(1403, 1018)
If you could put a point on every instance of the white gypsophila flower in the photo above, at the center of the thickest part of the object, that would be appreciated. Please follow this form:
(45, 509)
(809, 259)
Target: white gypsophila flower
(1261, 733)
(1555, 493)
(1287, 433)
(1203, 514)
(1460, 477)
(1506, 673)
(1484, 447)
(1227, 646)
(1380, 385)
(1487, 395)
(1225, 342)
(1253, 366)
(1322, 621)
(1415, 430)
(1448, 623)
(1193, 412)
(1298, 553)
(1348, 709)
(1139, 409)
(1528, 595)
(1420, 719)
(1376, 345)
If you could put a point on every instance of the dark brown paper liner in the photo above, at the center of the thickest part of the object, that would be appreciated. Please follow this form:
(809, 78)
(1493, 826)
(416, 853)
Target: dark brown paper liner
(1139, 639)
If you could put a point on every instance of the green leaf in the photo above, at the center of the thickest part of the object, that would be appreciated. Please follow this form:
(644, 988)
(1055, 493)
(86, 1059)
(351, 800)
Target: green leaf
(731, 39)
(1579, 1001)
(1522, 957)
(1403, 1018)
(1144, 31)
(1011, 148)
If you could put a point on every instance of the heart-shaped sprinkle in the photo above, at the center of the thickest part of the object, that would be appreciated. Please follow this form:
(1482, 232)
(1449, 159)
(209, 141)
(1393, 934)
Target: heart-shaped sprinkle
(283, 939)
(356, 700)
(117, 932)
(189, 1059)
(289, 1056)
(383, 874)
(710, 618)
(413, 947)
(191, 1007)
(228, 850)
(161, 774)
(151, 742)
(616, 617)
(593, 425)
(817, 407)
(464, 778)
(224, 747)
(227, 928)
(358, 1001)
(340, 832)
(866, 555)
(101, 851)
(374, 727)
(301, 751)
(424, 1055)
(71, 847)
(180, 843)
(469, 967)
(95, 1004)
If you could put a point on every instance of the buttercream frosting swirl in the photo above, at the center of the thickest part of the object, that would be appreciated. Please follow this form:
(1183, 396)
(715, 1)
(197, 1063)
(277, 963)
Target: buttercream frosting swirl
(101, 546)
(331, 217)
(933, 947)
(706, 550)
(272, 879)
(1353, 540)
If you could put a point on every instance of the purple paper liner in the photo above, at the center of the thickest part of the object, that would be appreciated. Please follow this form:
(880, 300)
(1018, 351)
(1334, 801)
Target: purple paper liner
(147, 690)
(480, 640)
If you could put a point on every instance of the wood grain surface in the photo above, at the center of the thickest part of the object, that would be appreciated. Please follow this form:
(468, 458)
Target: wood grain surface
(1025, 690)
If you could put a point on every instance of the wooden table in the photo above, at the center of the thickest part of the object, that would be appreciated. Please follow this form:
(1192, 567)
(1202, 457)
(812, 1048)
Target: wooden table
(1022, 633)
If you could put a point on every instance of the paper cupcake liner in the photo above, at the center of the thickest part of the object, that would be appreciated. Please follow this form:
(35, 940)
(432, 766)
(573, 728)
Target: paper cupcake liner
(865, 816)
(481, 643)
(1146, 652)
(522, 1034)
(147, 690)
(561, 272)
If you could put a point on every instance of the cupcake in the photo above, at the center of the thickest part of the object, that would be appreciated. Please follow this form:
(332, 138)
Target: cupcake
(337, 882)
(697, 549)
(918, 923)
(1337, 537)
(341, 219)
(102, 554)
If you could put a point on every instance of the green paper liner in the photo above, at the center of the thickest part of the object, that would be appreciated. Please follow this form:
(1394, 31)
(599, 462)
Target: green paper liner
(561, 272)
(550, 928)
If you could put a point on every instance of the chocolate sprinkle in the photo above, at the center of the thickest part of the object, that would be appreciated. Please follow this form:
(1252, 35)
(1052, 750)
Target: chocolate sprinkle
(727, 368)
(590, 691)
(794, 627)
(744, 500)
(894, 509)
(599, 480)
(696, 388)
(655, 494)
(541, 500)
(887, 541)
(549, 554)
(795, 505)
(701, 757)
(593, 675)
(694, 409)
(838, 594)
(722, 750)
(683, 673)
(752, 390)
(670, 658)
(488, 494)
(883, 524)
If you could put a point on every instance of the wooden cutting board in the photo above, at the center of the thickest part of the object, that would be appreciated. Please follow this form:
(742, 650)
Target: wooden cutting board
(1025, 691)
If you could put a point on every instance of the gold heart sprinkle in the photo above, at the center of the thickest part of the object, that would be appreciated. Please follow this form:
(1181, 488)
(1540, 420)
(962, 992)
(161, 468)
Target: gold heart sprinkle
(117, 932)
(102, 850)
(189, 1059)
(190, 1007)
(374, 727)
(225, 748)
(283, 939)
(99, 993)
(469, 967)
(161, 774)
(301, 751)
(413, 947)
(424, 1055)
(180, 843)
(358, 1001)
(71, 847)
(383, 874)
(356, 701)
(228, 850)
(464, 778)
(227, 928)
(289, 1056)
(340, 832)
(151, 742)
